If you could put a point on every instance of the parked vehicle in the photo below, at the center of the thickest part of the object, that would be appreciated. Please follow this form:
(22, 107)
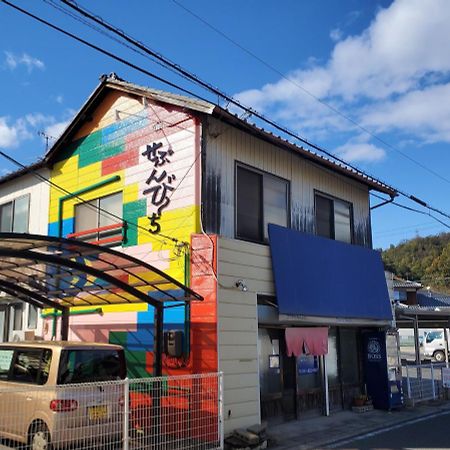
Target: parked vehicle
(41, 403)
(434, 345)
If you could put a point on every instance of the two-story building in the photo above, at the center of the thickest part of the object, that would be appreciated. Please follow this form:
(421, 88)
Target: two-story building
(24, 199)
(276, 239)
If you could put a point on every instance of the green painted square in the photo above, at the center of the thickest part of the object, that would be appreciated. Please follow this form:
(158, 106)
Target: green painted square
(118, 338)
(91, 154)
(136, 364)
(131, 213)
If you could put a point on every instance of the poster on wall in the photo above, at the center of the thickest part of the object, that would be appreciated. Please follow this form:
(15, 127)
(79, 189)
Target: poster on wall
(307, 364)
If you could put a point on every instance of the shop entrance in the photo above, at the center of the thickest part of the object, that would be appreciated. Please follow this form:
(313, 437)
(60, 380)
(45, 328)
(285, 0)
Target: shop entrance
(294, 387)
(277, 376)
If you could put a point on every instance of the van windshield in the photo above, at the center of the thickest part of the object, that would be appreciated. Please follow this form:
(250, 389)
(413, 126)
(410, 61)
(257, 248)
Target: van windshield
(86, 365)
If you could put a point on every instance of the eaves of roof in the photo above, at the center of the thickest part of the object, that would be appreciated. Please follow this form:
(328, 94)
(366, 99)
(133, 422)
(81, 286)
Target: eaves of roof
(406, 284)
(209, 109)
(23, 171)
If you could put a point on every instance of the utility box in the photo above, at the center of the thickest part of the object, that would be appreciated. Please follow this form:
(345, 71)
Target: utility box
(173, 343)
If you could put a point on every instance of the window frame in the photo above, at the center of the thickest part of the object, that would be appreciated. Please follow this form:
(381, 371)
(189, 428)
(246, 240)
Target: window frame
(262, 174)
(333, 198)
(16, 350)
(16, 307)
(13, 203)
(93, 235)
(31, 326)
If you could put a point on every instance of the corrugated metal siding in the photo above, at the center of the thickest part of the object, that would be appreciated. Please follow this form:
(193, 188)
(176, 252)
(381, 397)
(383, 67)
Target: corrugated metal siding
(224, 145)
(238, 327)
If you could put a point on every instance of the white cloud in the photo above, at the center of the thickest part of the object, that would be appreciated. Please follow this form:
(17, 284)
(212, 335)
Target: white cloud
(425, 113)
(12, 61)
(392, 77)
(336, 34)
(55, 130)
(11, 134)
(59, 99)
(361, 152)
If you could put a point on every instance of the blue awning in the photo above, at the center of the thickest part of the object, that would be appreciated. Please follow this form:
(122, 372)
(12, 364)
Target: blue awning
(320, 277)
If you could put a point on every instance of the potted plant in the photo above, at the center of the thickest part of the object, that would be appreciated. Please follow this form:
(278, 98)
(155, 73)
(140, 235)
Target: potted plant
(360, 400)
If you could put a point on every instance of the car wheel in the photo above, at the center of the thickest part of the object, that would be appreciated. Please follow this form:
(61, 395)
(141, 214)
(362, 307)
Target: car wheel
(39, 437)
(439, 356)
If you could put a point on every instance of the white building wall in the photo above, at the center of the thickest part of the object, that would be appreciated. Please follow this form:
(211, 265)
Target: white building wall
(39, 198)
(39, 194)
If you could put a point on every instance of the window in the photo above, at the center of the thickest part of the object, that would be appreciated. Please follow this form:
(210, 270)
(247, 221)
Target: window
(32, 317)
(261, 199)
(18, 317)
(83, 366)
(92, 215)
(31, 366)
(6, 356)
(14, 215)
(333, 218)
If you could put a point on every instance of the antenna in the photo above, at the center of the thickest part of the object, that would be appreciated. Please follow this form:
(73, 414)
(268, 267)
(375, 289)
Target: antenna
(47, 137)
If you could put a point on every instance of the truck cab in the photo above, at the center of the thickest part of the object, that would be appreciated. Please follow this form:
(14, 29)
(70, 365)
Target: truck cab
(434, 345)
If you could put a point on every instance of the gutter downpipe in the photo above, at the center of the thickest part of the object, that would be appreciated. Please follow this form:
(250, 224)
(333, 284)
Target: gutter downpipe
(60, 221)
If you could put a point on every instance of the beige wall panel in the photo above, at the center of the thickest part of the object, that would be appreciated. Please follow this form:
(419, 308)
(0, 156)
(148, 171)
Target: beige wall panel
(238, 366)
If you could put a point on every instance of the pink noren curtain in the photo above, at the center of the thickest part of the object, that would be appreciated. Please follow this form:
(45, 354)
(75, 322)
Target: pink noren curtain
(310, 341)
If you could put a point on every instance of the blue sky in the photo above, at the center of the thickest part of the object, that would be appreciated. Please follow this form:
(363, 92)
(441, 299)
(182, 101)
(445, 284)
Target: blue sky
(385, 65)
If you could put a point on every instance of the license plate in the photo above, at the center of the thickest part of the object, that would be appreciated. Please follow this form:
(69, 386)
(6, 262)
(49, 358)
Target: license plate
(98, 412)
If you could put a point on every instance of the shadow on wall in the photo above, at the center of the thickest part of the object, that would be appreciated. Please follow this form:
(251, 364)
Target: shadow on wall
(138, 341)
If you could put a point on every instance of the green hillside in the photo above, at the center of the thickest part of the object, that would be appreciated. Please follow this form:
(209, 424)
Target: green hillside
(422, 259)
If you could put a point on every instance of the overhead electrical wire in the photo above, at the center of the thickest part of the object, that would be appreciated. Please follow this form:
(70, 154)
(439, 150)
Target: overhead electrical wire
(306, 91)
(97, 19)
(160, 237)
(413, 210)
(211, 89)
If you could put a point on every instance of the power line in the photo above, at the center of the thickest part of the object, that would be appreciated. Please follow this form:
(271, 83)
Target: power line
(203, 84)
(36, 174)
(401, 230)
(306, 91)
(194, 78)
(414, 210)
(217, 91)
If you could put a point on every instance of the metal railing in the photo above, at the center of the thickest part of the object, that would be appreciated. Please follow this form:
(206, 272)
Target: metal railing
(422, 382)
(177, 412)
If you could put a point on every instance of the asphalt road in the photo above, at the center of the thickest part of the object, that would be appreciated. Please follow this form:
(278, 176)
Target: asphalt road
(432, 433)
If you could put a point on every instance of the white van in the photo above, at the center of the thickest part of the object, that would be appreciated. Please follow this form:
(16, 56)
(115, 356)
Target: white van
(434, 345)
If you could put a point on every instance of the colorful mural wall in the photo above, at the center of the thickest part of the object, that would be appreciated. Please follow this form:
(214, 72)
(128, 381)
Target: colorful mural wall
(149, 154)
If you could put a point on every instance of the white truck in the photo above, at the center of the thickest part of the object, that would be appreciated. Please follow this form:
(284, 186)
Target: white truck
(434, 345)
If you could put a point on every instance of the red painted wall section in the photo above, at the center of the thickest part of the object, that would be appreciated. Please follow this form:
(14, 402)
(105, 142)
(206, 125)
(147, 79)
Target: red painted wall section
(203, 357)
(204, 314)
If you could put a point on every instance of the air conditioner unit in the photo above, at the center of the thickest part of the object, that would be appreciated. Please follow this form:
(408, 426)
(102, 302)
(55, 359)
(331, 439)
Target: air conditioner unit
(16, 337)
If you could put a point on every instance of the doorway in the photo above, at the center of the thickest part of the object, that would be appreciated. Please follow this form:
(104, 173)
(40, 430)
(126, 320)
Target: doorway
(277, 376)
